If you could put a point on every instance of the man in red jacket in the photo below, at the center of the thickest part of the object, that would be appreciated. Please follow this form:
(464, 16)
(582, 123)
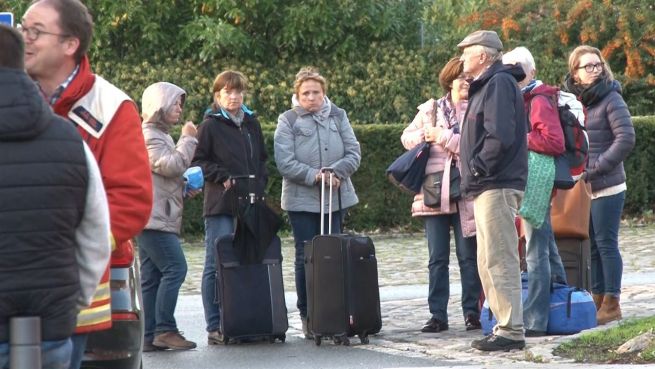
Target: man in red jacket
(57, 36)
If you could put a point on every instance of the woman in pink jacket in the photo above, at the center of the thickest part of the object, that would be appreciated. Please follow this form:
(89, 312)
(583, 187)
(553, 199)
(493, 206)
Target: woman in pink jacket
(438, 122)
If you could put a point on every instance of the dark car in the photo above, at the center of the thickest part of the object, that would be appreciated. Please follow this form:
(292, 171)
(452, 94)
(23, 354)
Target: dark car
(120, 347)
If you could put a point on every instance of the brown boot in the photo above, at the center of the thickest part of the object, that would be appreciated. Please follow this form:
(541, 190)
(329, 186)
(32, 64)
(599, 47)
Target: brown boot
(609, 311)
(598, 300)
(173, 341)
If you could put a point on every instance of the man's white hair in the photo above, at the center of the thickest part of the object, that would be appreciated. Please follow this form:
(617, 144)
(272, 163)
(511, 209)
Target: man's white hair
(520, 55)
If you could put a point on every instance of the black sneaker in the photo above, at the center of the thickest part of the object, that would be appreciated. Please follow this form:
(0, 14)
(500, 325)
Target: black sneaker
(472, 322)
(493, 342)
(531, 333)
(434, 326)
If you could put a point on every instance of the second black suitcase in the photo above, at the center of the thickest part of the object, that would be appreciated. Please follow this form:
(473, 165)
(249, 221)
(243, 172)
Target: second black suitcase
(576, 257)
(343, 296)
(251, 295)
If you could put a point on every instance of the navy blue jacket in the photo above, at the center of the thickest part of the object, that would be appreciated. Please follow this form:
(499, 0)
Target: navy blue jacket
(493, 142)
(610, 130)
(43, 188)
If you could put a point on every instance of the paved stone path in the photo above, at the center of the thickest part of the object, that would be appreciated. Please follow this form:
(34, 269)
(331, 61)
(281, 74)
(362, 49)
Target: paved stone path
(402, 260)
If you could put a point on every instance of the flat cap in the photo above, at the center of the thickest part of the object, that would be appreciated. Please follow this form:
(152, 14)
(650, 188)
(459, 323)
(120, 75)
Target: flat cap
(483, 38)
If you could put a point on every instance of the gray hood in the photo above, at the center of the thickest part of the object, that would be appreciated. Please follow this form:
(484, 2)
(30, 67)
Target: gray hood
(157, 99)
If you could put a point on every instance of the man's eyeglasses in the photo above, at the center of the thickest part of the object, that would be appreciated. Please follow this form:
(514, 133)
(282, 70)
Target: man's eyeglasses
(589, 68)
(33, 33)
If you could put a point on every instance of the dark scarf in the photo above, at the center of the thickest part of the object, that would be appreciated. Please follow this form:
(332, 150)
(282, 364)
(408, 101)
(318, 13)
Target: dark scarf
(591, 94)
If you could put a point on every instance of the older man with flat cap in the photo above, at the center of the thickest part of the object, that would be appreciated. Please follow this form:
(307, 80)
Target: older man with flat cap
(494, 168)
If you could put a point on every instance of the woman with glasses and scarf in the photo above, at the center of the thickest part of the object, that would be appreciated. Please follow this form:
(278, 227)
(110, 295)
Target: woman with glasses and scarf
(611, 139)
(438, 122)
(314, 134)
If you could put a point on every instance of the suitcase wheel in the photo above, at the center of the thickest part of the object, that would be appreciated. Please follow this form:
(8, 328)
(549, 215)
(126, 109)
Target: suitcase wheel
(317, 340)
(283, 338)
(345, 341)
(341, 340)
(364, 339)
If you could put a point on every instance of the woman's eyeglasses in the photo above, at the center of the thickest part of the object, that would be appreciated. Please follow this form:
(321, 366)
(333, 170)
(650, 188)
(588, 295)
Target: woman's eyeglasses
(465, 78)
(589, 68)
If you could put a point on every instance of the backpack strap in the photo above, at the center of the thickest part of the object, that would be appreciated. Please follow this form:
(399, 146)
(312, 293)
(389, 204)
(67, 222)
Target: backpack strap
(291, 116)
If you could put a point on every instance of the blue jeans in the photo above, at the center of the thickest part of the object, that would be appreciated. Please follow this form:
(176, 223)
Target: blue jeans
(437, 232)
(77, 351)
(163, 269)
(544, 266)
(216, 226)
(606, 262)
(305, 226)
(54, 354)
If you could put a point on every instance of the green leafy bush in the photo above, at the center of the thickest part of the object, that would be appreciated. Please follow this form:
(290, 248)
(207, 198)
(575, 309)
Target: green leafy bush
(382, 85)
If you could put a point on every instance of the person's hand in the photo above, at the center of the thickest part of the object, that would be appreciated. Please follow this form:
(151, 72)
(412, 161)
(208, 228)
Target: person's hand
(431, 133)
(227, 184)
(193, 193)
(335, 181)
(189, 129)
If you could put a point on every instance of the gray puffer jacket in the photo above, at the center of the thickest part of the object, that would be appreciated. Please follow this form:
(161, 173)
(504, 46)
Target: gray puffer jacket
(313, 141)
(168, 161)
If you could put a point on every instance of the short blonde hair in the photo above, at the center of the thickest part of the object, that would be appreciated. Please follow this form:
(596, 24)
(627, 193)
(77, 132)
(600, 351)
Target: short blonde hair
(306, 74)
(576, 54)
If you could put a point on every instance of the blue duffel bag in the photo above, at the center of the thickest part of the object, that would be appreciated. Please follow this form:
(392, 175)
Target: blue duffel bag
(487, 318)
(571, 310)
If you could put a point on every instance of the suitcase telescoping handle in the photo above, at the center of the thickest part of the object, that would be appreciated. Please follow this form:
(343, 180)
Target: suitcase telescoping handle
(330, 172)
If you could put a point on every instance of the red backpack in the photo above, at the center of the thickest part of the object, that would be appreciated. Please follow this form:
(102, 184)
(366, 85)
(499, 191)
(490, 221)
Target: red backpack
(572, 119)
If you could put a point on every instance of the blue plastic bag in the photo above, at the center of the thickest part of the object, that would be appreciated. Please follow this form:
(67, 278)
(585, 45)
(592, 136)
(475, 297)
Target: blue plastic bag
(194, 179)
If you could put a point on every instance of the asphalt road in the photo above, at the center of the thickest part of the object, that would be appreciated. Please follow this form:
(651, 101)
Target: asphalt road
(295, 353)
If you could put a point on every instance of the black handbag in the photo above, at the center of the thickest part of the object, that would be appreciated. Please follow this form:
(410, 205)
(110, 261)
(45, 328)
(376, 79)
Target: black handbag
(563, 179)
(433, 183)
(408, 170)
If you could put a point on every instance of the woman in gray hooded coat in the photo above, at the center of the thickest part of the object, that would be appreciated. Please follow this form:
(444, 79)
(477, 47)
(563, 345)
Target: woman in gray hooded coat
(313, 135)
(163, 265)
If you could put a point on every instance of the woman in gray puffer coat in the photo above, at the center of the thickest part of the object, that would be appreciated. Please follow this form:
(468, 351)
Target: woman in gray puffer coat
(611, 139)
(313, 135)
(163, 265)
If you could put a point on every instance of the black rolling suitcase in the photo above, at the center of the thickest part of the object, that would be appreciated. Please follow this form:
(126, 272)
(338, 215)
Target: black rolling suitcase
(576, 257)
(343, 297)
(251, 294)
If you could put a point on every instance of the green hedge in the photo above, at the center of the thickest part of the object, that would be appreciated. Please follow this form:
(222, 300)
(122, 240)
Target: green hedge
(382, 85)
(383, 207)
